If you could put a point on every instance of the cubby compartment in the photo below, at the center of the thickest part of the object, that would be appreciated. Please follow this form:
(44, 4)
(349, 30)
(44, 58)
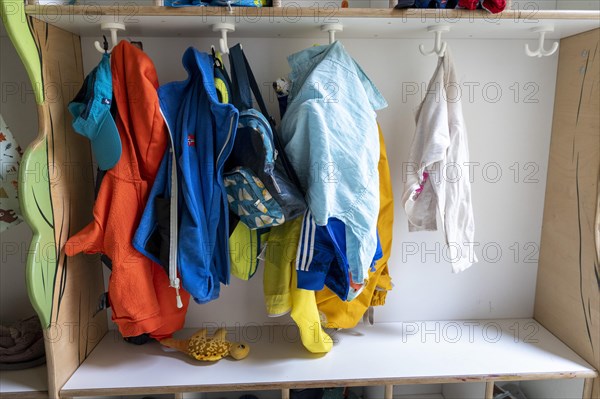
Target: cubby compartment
(439, 335)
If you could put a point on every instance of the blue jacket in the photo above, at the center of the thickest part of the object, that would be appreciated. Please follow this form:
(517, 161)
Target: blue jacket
(202, 132)
(321, 258)
(332, 140)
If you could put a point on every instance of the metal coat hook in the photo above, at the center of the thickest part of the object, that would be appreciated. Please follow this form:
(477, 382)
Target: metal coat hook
(541, 52)
(439, 47)
(332, 28)
(113, 27)
(224, 28)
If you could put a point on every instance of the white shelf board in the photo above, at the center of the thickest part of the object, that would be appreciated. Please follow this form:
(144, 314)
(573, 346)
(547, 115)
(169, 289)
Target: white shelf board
(306, 23)
(398, 353)
(24, 383)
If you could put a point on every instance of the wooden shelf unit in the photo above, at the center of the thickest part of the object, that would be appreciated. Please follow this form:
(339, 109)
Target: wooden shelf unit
(432, 352)
(306, 22)
(24, 384)
(131, 9)
(48, 40)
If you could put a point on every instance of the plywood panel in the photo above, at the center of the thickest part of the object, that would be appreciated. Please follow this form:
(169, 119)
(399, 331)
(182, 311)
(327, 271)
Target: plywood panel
(294, 22)
(568, 284)
(431, 352)
(293, 10)
(75, 328)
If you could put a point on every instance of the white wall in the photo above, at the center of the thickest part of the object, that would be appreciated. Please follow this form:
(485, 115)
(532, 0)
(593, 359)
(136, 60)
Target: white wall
(507, 135)
(423, 290)
(425, 391)
(17, 106)
(471, 390)
(552, 389)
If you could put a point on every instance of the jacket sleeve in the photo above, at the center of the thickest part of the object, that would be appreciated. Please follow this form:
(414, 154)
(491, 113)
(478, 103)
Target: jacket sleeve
(424, 170)
(90, 240)
(459, 225)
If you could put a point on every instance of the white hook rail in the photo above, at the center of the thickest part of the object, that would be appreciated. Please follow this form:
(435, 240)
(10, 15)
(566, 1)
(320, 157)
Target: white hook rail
(332, 29)
(224, 28)
(540, 51)
(439, 46)
(113, 27)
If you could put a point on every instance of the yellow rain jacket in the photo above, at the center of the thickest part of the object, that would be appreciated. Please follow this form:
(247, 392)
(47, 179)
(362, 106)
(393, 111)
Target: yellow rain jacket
(339, 314)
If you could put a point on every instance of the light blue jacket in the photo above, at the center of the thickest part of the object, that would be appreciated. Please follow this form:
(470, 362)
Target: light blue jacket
(331, 137)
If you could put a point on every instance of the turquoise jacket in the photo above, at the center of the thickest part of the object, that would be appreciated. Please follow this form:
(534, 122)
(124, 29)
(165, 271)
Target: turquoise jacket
(331, 137)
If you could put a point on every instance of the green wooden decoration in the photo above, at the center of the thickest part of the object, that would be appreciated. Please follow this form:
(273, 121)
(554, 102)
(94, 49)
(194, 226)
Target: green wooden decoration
(34, 182)
(15, 21)
(36, 207)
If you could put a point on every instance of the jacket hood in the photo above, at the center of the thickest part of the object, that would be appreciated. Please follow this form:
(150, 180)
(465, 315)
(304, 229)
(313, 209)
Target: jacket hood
(305, 61)
(141, 126)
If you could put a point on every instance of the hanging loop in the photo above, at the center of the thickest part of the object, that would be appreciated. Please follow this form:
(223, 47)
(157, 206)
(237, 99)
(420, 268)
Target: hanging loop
(216, 60)
(113, 27)
(332, 29)
(439, 46)
(224, 28)
(540, 51)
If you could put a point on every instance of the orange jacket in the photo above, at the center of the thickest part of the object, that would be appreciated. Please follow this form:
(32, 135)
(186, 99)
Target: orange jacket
(138, 289)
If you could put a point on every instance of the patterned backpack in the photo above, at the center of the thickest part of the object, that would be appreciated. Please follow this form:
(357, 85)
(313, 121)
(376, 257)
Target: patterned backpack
(261, 185)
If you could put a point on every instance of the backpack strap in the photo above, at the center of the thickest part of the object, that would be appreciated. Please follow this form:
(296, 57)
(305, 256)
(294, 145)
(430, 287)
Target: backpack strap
(242, 91)
(245, 85)
(244, 80)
